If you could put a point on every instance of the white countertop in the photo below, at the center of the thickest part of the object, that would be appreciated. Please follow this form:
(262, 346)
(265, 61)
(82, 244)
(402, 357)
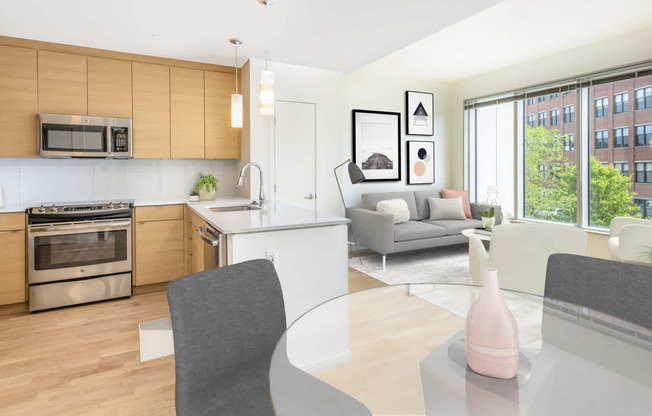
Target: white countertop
(273, 216)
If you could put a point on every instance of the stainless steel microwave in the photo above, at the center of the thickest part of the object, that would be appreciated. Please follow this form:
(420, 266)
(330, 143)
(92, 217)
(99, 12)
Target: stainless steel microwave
(84, 136)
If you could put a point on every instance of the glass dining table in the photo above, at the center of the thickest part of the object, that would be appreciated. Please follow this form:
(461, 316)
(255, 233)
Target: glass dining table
(399, 350)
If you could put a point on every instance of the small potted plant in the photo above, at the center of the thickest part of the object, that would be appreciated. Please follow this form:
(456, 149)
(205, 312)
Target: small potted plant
(206, 186)
(488, 218)
(194, 196)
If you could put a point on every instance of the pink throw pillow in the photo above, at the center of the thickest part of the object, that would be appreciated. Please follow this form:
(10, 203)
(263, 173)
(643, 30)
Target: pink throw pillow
(451, 193)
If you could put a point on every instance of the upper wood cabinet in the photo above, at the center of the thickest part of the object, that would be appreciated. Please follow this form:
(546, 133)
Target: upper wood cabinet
(62, 83)
(18, 102)
(151, 110)
(222, 140)
(187, 113)
(109, 87)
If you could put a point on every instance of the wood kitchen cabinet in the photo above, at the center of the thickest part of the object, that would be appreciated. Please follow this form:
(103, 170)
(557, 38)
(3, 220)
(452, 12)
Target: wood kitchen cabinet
(109, 87)
(12, 258)
(221, 140)
(186, 113)
(194, 243)
(18, 102)
(158, 244)
(62, 83)
(151, 110)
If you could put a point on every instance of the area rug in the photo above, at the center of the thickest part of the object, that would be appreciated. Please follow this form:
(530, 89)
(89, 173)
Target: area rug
(449, 264)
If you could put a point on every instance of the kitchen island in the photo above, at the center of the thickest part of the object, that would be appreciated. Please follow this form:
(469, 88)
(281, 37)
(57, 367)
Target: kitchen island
(311, 250)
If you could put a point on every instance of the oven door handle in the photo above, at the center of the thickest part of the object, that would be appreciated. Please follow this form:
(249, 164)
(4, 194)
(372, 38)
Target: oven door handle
(95, 226)
(212, 241)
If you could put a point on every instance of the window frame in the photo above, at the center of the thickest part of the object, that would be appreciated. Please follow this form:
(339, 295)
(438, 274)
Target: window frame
(603, 140)
(604, 107)
(621, 129)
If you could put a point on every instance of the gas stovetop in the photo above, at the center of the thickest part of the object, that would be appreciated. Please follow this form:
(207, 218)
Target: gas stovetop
(78, 211)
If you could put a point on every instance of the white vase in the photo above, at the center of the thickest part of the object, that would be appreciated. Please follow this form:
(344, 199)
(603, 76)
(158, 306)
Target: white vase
(488, 222)
(491, 332)
(205, 195)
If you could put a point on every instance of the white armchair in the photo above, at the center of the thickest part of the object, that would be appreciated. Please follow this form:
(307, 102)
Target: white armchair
(628, 237)
(519, 252)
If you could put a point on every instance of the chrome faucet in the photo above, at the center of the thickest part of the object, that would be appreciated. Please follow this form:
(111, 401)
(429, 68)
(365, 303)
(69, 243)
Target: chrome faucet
(261, 193)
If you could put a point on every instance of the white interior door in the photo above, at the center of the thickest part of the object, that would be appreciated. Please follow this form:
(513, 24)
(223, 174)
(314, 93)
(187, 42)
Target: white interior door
(294, 154)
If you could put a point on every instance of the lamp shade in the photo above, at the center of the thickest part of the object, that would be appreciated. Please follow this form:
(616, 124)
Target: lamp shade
(236, 110)
(355, 174)
(267, 93)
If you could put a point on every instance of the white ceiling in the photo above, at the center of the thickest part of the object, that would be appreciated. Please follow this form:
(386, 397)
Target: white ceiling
(432, 39)
(334, 34)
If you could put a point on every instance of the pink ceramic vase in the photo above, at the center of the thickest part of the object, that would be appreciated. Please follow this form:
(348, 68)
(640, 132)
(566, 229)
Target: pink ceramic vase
(491, 332)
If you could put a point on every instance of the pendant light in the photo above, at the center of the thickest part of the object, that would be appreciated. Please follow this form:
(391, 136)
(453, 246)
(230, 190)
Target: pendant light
(236, 99)
(266, 79)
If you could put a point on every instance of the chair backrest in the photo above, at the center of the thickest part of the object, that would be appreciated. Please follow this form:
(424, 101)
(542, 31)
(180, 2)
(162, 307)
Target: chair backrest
(635, 241)
(225, 324)
(520, 252)
(619, 289)
(617, 224)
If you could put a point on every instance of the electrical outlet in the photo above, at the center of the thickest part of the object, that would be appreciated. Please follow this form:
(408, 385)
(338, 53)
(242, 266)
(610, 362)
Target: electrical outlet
(272, 255)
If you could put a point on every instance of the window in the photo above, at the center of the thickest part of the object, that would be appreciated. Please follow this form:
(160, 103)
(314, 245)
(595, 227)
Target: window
(569, 143)
(621, 103)
(554, 117)
(542, 98)
(554, 96)
(543, 118)
(531, 101)
(601, 107)
(623, 167)
(601, 139)
(643, 134)
(569, 114)
(644, 206)
(531, 120)
(644, 98)
(621, 137)
(643, 172)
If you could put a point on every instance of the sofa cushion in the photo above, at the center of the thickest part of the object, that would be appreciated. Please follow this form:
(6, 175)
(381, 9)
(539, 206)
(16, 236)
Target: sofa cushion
(452, 193)
(416, 230)
(446, 209)
(455, 226)
(369, 201)
(421, 200)
(397, 207)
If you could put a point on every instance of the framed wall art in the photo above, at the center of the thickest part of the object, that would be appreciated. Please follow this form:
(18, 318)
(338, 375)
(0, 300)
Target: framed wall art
(421, 162)
(419, 112)
(376, 144)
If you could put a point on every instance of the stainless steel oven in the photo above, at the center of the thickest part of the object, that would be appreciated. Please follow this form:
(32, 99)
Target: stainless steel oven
(78, 254)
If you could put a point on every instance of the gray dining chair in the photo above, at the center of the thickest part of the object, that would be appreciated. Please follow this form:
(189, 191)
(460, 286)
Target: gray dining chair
(226, 323)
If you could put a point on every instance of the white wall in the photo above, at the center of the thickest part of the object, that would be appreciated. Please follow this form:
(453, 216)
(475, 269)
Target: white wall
(300, 84)
(32, 181)
(632, 48)
(372, 89)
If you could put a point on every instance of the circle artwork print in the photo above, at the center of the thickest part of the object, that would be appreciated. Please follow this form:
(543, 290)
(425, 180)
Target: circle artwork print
(419, 168)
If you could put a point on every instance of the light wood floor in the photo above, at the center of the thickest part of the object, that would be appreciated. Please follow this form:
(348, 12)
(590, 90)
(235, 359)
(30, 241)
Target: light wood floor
(84, 360)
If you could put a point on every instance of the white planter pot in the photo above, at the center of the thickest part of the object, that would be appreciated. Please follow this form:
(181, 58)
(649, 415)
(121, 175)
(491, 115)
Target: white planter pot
(205, 195)
(488, 222)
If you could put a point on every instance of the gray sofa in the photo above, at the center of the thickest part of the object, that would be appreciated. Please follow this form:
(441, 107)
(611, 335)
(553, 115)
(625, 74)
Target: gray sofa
(377, 231)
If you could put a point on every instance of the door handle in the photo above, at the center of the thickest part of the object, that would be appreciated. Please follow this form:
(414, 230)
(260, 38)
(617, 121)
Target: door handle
(310, 196)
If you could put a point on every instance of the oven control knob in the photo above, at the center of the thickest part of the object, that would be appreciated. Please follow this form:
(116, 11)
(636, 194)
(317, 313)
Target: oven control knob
(41, 209)
(53, 208)
(83, 269)
(110, 206)
(121, 205)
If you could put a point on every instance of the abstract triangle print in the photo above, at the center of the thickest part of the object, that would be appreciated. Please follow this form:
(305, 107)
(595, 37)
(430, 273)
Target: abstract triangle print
(420, 116)
(420, 109)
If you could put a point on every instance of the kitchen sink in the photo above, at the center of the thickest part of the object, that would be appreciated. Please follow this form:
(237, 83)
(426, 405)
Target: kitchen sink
(235, 208)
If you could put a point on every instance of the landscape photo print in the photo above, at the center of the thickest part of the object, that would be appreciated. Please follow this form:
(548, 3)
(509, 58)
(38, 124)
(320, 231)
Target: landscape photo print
(376, 144)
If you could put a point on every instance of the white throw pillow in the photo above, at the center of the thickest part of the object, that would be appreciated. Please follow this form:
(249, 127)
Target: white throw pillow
(446, 209)
(397, 207)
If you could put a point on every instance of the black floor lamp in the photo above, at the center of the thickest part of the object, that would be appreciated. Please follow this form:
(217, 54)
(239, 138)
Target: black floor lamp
(356, 176)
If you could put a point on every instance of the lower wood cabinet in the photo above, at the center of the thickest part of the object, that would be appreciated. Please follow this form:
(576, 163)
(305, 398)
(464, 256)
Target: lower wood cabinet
(12, 258)
(158, 244)
(195, 245)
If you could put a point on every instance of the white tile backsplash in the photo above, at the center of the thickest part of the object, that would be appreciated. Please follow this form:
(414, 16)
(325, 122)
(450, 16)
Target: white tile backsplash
(38, 180)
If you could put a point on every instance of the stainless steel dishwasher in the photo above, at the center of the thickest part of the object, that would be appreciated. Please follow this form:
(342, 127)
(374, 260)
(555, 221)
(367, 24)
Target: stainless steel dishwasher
(214, 246)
